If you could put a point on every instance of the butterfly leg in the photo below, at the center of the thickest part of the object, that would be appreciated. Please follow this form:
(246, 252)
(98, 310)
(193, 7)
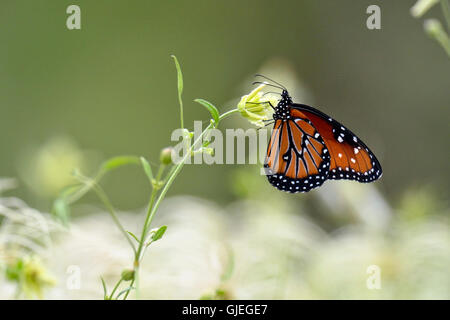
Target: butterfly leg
(264, 102)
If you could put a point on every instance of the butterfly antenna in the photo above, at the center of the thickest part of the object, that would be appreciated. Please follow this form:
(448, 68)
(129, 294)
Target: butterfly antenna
(271, 92)
(268, 84)
(267, 78)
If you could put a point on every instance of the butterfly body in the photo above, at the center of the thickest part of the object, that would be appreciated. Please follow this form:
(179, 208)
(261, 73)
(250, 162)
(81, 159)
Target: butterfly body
(307, 147)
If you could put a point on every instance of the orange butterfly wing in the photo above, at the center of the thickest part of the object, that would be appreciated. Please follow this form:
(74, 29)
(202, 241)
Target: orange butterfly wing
(297, 159)
(350, 158)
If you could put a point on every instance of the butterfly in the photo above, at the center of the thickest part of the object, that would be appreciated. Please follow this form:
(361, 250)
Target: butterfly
(308, 147)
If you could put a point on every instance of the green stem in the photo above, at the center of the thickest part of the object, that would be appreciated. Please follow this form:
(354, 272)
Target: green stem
(146, 224)
(148, 216)
(152, 208)
(228, 113)
(85, 189)
(154, 204)
(104, 198)
(131, 284)
(137, 257)
(446, 11)
(181, 112)
(115, 288)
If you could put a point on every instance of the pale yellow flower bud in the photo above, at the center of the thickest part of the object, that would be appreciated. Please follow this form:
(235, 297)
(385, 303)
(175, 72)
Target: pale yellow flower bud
(255, 106)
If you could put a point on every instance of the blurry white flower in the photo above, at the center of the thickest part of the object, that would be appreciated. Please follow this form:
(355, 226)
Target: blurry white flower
(49, 168)
(260, 250)
(25, 242)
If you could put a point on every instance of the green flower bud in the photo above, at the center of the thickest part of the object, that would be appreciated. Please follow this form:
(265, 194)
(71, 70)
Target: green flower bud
(127, 274)
(209, 151)
(166, 156)
(433, 27)
(421, 7)
(255, 106)
(435, 30)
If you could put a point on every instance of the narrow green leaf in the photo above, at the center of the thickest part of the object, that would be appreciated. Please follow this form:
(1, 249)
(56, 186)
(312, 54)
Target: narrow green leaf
(229, 267)
(69, 190)
(159, 233)
(211, 108)
(61, 210)
(117, 162)
(133, 235)
(180, 88)
(147, 168)
(179, 75)
(105, 292)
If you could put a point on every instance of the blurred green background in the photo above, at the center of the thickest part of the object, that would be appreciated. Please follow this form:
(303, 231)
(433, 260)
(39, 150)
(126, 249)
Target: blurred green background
(110, 88)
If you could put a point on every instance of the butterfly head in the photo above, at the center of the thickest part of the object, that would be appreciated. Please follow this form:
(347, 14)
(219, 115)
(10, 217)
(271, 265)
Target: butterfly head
(282, 108)
(285, 98)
